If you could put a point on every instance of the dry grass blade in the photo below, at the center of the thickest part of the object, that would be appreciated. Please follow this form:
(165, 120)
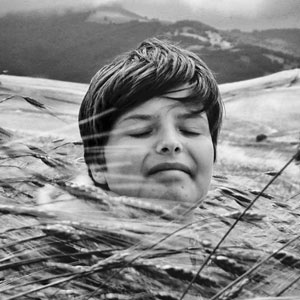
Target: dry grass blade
(51, 257)
(288, 286)
(122, 248)
(4, 135)
(34, 102)
(236, 222)
(114, 261)
(234, 291)
(130, 262)
(27, 99)
(254, 268)
(37, 104)
(7, 98)
(19, 242)
(29, 211)
(54, 283)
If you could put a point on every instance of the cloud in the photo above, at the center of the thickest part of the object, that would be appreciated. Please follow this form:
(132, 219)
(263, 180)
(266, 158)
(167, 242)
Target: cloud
(222, 14)
(224, 7)
(281, 9)
(17, 6)
(227, 7)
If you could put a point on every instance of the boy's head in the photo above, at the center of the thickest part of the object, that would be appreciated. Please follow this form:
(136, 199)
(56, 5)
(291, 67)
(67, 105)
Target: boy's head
(150, 119)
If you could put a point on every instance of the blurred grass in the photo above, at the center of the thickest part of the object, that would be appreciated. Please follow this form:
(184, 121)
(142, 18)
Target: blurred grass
(81, 243)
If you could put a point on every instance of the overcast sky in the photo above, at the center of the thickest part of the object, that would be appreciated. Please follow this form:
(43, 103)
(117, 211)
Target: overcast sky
(222, 14)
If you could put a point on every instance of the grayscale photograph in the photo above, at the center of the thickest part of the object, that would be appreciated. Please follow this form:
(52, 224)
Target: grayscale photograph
(149, 150)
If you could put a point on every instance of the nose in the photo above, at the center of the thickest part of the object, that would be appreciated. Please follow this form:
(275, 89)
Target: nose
(169, 143)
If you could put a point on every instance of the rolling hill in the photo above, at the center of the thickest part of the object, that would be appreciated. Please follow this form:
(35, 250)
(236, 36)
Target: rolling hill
(268, 105)
(73, 46)
(282, 40)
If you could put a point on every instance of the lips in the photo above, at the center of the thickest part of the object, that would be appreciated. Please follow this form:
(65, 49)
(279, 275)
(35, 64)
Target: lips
(169, 166)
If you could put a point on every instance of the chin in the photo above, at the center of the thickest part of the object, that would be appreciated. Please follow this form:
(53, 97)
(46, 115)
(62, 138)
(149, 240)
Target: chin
(171, 196)
(168, 196)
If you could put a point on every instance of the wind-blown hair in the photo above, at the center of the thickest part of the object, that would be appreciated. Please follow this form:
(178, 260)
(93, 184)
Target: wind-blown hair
(151, 70)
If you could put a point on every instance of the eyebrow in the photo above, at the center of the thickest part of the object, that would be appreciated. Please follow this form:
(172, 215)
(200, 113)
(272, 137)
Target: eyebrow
(191, 115)
(139, 117)
(181, 116)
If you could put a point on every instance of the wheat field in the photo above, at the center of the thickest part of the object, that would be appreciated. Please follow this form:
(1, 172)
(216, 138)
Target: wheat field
(61, 238)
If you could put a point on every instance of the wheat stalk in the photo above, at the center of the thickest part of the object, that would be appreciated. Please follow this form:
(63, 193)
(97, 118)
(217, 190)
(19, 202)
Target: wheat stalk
(295, 156)
(65, 258)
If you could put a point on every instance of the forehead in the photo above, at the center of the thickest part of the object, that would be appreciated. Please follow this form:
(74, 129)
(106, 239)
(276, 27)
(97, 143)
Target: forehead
(168, 103)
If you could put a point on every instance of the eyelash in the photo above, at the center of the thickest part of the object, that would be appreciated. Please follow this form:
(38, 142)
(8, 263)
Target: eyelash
(189, 132)
(146, 133)
(141, 134)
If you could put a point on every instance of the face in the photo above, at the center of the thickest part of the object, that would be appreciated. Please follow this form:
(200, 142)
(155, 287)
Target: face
(161, 150)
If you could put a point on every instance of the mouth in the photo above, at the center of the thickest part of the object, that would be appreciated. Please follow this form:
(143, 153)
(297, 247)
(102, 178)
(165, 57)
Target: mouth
(169, 167)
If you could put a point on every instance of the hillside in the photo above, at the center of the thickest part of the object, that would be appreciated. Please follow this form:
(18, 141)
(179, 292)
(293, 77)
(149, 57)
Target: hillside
(270, 104)
(282, 40)
(72, 47)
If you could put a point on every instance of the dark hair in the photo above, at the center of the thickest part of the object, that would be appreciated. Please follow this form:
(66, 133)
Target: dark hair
(131, 79)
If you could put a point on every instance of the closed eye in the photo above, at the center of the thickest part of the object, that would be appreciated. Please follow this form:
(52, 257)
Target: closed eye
(140, 134)
(189, 132)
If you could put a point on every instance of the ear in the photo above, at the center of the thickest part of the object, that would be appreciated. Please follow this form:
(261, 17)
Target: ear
(98, 174)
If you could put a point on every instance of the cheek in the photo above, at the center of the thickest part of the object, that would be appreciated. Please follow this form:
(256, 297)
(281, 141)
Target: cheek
(203, 154)
(124, 171)
(125, 160)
